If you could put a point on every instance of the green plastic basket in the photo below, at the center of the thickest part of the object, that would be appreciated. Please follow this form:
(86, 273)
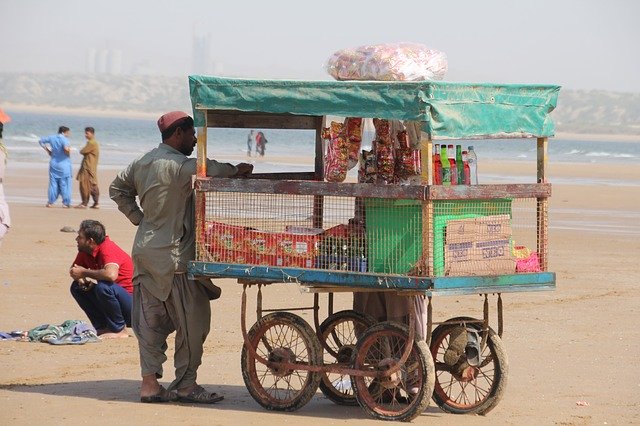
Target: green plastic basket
(394, 230)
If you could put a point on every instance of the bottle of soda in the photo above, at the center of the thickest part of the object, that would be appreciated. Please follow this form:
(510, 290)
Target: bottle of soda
(437, 167)
(451, 153)
(459, 165)
(473, 165)
(445, 165)
(466, 179)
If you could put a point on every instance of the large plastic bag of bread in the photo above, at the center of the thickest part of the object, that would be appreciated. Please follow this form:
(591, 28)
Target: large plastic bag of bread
(388, 62)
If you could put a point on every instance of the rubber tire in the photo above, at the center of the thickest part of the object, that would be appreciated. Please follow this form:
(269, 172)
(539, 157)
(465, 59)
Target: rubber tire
(324, 334)
(312, 352)
(493, 347)
(426, 369)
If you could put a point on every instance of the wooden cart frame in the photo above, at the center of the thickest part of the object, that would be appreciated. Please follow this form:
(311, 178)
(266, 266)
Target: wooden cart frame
(511, 111)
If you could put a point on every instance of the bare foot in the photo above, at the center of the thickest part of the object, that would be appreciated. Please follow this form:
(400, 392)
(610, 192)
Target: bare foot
(111, 335)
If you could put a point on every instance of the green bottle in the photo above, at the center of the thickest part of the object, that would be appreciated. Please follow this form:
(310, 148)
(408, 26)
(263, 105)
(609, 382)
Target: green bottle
(459, 165)
(446, 167)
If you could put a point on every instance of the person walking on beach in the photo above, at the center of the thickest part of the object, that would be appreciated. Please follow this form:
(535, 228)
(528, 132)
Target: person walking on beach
(249, 143)
(102, 285)
(5, 218)
(261, 142)
(88, 173)
(164, 298)
(59, 149)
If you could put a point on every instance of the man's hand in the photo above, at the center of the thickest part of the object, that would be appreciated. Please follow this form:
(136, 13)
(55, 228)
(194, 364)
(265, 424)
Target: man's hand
(244, 169)
(77, 272)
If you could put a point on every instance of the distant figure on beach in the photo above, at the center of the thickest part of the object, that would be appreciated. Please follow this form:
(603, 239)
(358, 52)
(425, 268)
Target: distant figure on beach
(5, 218)
(102, 286)
(155, 192)
(59, 149)
(249, 143)
(88, 173)
(261, 142)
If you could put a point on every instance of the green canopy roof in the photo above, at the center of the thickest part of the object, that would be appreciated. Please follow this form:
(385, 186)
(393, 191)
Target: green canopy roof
(446, 110)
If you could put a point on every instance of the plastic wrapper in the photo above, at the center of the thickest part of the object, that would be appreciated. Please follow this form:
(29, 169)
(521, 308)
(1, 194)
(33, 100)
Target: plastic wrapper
(353, 128)
(383, 132)
(367, 172)
(337, 158)
(407, 164)
(385, 163)
(388, 62)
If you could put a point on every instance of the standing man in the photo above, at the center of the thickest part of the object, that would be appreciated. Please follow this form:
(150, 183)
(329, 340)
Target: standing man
(59, 149)
(102, 285)
(88, 173)
(249, 143)
(5, 218)
(164, 299)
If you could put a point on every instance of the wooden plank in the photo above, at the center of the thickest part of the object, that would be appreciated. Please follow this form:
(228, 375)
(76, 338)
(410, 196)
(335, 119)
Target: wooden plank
(284, 176)
(323, 278)
(495, 282)
(365, 190)
(487, 290)
(487, 192)
(542, 205)
(371, 190)
(308, 276)
(260, 120)
(426, 258)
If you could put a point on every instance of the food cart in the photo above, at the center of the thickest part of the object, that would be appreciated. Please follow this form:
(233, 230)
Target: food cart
(417, 240)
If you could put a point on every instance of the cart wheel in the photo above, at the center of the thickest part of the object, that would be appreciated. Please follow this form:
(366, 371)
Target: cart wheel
(461, 388)
(338, 334)
(284, 338)
(405, 394)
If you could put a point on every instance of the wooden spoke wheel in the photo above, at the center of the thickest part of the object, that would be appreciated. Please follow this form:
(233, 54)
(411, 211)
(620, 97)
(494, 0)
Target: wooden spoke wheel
(462, 388)
(339, 334)
(402, 395)
(283, 339)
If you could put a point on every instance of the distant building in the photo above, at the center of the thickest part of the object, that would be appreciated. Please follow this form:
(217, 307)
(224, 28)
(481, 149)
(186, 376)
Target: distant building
(201, 54)
(104, 61)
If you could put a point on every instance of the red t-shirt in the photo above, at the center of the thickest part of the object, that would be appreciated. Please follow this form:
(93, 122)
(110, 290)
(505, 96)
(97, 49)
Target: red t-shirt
(106, 253)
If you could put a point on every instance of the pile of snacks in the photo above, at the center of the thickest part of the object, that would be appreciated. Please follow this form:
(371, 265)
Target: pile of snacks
(388, 62)
(343, 148)
(392, 159)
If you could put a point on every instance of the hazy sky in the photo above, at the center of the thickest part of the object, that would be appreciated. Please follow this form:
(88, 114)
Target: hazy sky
(579, 44)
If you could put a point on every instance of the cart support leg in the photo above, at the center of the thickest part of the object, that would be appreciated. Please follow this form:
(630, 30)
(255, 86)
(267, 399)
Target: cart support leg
(485, 325)
(258, 301)
(316, 319)
(429, 321)
(500, 318)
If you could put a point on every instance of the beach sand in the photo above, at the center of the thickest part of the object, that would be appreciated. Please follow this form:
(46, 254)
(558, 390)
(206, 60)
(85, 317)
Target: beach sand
(573, 352)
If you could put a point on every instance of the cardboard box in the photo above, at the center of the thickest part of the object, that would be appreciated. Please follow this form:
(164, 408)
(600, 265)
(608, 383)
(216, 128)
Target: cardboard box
(297, 249)
(479, 246)
(226, 243)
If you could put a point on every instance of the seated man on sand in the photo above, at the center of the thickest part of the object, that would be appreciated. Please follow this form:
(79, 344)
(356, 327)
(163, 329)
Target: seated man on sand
(102, 286)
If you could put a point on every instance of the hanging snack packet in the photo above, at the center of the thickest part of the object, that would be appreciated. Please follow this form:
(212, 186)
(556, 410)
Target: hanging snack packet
(385, 162)
(367, 172)
(354, 138)
(337, 157)
(383, 132)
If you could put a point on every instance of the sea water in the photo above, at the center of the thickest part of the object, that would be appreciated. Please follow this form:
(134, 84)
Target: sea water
(122, 140)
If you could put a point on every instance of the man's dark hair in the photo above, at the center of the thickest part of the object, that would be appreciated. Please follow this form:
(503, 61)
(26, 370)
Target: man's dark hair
(63, 129)
(94, 230)
(90, 129)
(184, 124)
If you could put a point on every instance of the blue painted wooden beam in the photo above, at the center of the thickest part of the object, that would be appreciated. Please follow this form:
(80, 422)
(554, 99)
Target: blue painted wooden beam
(430, 285)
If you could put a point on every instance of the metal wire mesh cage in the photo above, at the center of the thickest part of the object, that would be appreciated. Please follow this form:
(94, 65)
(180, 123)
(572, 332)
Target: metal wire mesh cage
(372, 235)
